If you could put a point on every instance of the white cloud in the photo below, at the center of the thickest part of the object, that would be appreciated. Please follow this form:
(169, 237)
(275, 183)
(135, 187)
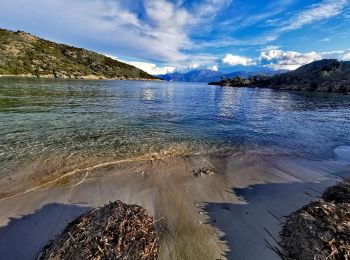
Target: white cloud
(245, 18)
(288, 60)
(198, 61)
(210, 7)
(214, 68)
(288, 22)
(193, 66)
(235, 60)
(346, 56)
(316, 12)
(271, 54)
(325, 39)
(325, 53)
(161, 34)
(151, 68)
(271, 47)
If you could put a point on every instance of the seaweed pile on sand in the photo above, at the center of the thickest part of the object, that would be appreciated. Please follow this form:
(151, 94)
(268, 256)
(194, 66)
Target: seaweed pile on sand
(321, 229)
(203, 172)
(115, 231)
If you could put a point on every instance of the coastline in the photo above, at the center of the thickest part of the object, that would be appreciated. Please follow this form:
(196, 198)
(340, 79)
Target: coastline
(86, 77)
(206, 217)
(326, 75)
(286, 88)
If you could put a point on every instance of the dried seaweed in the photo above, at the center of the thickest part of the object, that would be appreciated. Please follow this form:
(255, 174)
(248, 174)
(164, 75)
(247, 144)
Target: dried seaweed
(203, 172)
(320, 230)
(339, 192)
(115, 231)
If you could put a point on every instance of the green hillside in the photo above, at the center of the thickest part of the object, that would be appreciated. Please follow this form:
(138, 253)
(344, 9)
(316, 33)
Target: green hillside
(27, 55)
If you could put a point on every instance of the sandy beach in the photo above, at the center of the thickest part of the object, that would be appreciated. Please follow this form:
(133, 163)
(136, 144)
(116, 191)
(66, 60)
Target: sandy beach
(232, 214)
(175, 130)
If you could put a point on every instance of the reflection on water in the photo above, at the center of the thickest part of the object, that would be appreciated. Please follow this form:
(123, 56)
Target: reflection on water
(118, 119)
(229, 102)
(148, 94)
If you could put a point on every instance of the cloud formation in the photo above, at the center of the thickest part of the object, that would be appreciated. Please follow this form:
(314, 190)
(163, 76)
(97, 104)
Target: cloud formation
(272, 29)
(214, 68)
(346, 56)
(287, 60)
(159, 35)
(316, 12)
(235, 60)
(151, 68)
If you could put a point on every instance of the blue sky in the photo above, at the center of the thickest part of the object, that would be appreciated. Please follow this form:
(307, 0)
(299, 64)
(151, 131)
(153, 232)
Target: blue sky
(167, 35)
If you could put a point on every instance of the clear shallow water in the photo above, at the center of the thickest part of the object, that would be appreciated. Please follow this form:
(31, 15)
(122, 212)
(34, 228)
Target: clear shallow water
(42, 119)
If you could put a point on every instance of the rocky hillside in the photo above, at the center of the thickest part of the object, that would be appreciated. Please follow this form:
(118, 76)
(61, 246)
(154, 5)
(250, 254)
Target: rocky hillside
(327, 75)
(26, 55)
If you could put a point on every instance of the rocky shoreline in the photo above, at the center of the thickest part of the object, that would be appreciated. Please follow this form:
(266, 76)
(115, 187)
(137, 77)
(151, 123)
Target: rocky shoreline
(319, 76)
(86, 77)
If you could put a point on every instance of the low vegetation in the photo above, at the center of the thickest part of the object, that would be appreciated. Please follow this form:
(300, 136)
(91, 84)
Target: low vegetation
(26, 55)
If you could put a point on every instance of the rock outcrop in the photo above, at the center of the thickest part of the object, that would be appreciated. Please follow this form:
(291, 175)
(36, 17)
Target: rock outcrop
(327, 75)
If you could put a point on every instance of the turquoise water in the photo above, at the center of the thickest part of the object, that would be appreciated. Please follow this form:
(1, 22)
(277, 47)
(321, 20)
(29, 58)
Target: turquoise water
(41, 119)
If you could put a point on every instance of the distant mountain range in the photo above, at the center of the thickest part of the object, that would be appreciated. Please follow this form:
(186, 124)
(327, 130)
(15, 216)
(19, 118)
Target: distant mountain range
(328, 75)
(207, 75)
(23, 54)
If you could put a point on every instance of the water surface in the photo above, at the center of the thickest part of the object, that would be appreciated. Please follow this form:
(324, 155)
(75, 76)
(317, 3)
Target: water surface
(60, 119)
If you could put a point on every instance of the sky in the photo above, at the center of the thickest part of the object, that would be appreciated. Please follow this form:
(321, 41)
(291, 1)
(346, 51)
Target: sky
(162, 36)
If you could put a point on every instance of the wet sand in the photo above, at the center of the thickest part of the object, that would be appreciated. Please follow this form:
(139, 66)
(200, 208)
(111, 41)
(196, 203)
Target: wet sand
(232, 214)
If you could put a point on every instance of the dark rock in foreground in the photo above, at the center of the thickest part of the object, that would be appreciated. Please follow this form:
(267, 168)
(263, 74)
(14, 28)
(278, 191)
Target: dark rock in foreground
(320, 230)
(115, 231)
(320, 76)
